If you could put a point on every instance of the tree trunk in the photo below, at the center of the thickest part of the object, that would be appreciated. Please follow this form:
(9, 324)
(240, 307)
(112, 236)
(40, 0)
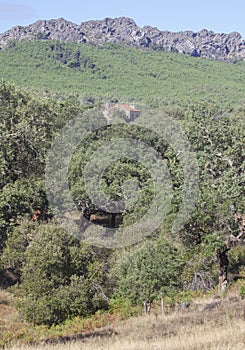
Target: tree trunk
(113, 220)
(224, 261)
(147, 307)
(223, 269)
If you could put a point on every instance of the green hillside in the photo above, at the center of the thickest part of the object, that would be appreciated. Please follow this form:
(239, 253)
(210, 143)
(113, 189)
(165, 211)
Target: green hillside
(153, 77)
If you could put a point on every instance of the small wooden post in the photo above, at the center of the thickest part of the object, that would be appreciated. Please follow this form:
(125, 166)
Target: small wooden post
(162, 305)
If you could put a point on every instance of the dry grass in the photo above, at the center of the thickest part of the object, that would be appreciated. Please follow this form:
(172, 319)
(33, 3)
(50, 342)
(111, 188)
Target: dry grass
(219, 326)
(5, 297)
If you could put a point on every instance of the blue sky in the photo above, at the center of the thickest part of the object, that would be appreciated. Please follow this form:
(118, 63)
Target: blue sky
(223, 16)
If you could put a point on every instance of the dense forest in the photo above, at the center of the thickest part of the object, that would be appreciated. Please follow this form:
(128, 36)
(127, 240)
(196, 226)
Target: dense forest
(56, 276)
(154, 78)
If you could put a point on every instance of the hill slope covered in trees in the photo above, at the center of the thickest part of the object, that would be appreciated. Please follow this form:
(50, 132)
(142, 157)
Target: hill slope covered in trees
(115, 72)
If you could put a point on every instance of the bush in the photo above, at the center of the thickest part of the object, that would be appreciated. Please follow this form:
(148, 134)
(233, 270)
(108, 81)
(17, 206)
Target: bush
(60, 304)
(60, 278)
(152, 269)
(242, 291)
(122, 306)
(13, 256)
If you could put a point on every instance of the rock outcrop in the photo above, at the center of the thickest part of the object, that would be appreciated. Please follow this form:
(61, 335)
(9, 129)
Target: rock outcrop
(207, 44)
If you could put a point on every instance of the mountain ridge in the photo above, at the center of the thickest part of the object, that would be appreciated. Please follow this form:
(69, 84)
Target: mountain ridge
(124, 30)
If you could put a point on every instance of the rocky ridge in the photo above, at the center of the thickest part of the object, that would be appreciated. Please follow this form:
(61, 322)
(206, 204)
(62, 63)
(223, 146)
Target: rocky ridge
(207, 44)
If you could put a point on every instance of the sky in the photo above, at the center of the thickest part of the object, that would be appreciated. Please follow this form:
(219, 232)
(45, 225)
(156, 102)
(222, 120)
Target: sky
(221, 16)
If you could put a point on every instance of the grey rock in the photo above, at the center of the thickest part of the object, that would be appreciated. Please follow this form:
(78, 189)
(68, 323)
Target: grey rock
(207, 44)
(184, 305)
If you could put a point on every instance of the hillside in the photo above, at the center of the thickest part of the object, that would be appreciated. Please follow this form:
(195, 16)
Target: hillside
(107, 72)
(122, 30)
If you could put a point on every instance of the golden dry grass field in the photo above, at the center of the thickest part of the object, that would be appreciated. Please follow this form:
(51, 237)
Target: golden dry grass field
(208, 324)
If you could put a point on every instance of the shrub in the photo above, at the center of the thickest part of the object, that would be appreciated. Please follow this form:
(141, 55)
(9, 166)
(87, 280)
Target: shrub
(152, 269)
(60, 278)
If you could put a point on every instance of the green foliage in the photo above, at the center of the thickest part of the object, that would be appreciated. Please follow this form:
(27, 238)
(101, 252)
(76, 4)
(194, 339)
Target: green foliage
(115, 71)
(28, 126)
(19, 200)
(13, 256)
(122, 306)
(211, 244)
(237, 259)
(25, 134)
(61, 303)
(118, 172)
(148, 271)
(61, 280)
(217, 139)
(242, 291)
